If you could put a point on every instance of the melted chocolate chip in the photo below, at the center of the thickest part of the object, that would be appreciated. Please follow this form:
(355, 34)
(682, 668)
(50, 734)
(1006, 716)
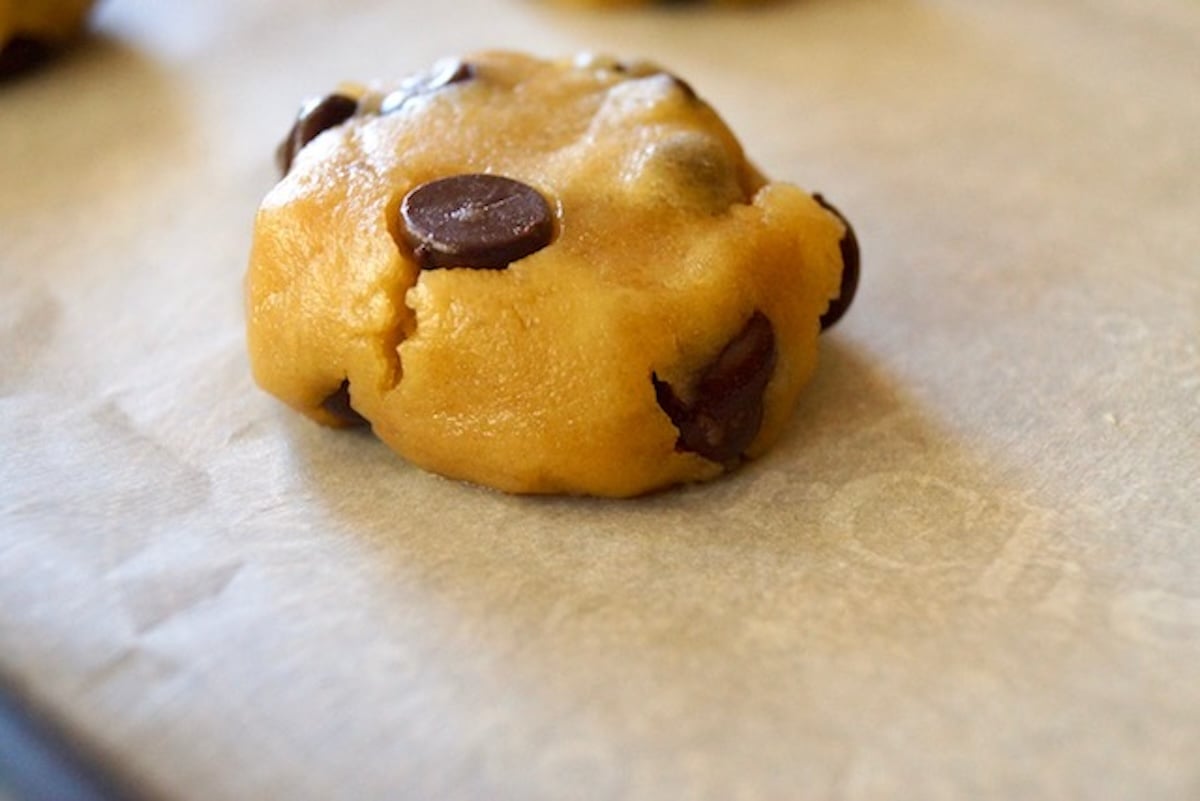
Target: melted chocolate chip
(485, 222)
(726, 414)
(442, 75)
(338, 405)
(21, 54)
(331, 110)
(850, 268)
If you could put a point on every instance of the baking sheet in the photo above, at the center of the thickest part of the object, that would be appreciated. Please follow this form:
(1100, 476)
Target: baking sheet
(970, 569)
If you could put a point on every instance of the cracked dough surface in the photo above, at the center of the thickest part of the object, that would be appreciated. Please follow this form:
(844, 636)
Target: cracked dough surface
(537, 378)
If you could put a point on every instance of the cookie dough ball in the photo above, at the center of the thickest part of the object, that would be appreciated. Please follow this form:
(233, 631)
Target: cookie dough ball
(30, 30)
(541, 276)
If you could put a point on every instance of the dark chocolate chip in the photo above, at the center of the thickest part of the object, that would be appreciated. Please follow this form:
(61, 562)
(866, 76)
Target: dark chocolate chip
(850, 268)
(442, 75)
(727, 410)
(338, 405)
(485, 222)
(313, 119)
(20, 54)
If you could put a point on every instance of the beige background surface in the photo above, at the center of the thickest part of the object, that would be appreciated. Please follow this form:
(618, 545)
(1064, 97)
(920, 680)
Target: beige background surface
(972, 569)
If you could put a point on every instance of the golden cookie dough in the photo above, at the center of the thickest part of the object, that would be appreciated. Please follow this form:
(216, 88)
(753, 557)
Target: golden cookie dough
(652, 321)
(30, 29)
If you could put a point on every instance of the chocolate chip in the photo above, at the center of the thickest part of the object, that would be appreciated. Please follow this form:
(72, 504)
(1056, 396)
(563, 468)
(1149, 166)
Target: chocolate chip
(485, 222)
(442, 75)
(727, 410)
(691, 170)
(338, 405)
(313, 119)
(850, 268)
(21, 54)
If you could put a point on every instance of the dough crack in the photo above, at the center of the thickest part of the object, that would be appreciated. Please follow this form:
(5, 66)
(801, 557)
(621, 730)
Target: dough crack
(403, 322)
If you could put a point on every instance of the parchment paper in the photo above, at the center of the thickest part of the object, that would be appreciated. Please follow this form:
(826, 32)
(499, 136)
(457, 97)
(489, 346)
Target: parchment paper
(969, 571)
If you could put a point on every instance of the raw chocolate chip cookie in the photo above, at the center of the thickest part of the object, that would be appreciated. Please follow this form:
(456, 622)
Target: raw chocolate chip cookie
(30, 30)
(542, 276)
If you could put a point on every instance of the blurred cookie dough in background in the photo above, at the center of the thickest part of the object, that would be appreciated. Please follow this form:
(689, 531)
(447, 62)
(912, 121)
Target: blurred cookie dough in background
(663, 3)
(32, 30)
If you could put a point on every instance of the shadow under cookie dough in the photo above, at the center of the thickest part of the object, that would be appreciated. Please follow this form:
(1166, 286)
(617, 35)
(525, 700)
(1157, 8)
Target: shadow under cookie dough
(866, 538)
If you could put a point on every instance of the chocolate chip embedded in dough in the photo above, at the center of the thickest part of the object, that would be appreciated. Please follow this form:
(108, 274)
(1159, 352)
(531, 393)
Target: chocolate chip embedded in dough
(314, 118)
(485, 222)
(442, 75)
(20, 54)
(338, 405)
(696, 170)
(726, 413)
(850, 268)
